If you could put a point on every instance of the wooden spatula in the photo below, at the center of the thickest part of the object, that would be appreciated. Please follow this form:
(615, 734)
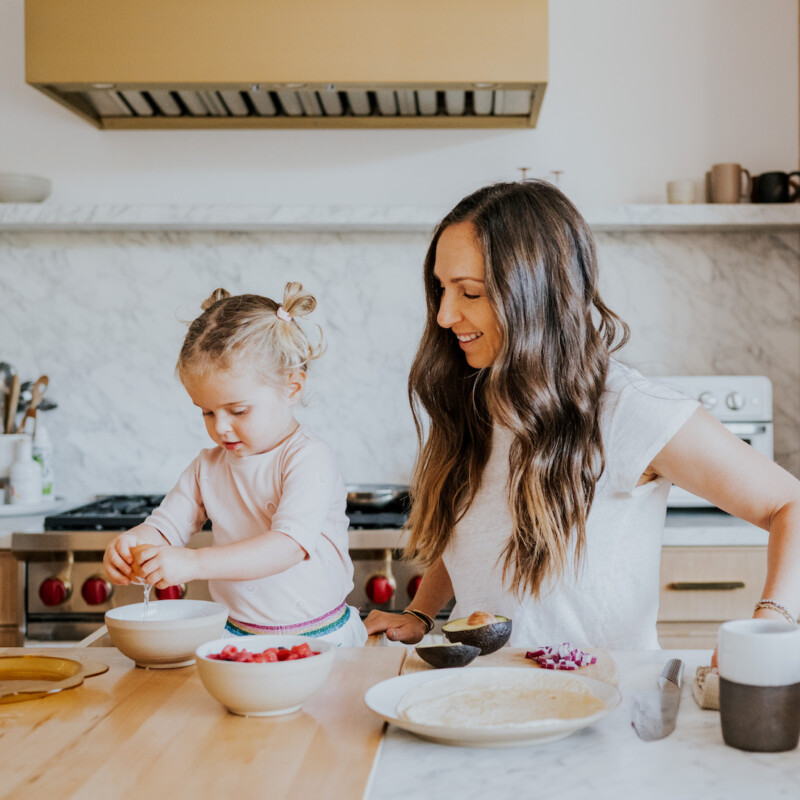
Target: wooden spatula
(11, 407)
(36, 397)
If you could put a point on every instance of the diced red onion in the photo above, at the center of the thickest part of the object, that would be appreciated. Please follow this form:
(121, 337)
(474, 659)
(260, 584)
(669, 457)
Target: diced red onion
(563, 656)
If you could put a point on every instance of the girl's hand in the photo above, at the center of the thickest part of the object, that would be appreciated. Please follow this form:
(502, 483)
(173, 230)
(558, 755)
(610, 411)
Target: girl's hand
(118, 559)
(404, 628)
(165, 565)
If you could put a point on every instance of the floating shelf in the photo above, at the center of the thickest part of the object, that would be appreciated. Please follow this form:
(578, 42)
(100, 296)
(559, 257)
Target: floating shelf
(374, 219)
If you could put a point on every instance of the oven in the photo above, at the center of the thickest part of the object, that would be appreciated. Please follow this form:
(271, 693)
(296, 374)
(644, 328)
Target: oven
(742, 403)
(66, 592)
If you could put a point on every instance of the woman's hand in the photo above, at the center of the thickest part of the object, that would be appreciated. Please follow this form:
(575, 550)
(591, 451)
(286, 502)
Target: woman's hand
(404, 628)
(165, 565)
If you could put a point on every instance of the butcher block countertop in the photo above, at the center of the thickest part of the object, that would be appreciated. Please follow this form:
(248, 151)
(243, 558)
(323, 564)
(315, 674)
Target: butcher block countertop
(143, 734)
(140, 733)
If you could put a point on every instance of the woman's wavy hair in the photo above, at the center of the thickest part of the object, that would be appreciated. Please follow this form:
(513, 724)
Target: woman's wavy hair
(545, 384)
(250, 325)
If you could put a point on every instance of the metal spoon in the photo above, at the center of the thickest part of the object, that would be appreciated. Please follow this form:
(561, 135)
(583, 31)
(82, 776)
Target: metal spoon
(7, 372)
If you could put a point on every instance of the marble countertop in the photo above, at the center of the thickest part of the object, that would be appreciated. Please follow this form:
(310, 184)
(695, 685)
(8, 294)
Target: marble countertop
(606, 761)
(380, 219)
(682, 528)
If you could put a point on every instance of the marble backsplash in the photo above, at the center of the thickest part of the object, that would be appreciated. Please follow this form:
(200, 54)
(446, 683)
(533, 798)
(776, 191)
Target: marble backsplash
(104, 313)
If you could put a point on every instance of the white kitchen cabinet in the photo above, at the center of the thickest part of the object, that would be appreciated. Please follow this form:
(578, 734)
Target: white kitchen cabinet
(702, 587)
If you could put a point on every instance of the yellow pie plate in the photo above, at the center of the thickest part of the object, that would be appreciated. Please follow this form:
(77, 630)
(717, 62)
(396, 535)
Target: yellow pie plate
(27, 677)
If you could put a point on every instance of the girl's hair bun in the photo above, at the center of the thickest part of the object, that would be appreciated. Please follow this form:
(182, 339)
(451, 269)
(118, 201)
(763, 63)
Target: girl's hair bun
(215, 297)
(296, 302)
(254, 326)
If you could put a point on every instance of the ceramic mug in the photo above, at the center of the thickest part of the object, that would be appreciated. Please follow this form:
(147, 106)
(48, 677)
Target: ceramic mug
(759, 684)
(681, 191)
(726, 183)
(775, 187)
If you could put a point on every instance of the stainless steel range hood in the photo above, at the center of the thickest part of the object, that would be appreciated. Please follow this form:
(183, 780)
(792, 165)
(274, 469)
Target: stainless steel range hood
(139, 64)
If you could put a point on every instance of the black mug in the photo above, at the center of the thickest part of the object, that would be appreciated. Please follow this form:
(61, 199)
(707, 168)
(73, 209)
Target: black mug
(776, 187)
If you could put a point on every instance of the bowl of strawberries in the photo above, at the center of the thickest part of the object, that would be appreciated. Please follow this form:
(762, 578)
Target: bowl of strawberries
(264, 676)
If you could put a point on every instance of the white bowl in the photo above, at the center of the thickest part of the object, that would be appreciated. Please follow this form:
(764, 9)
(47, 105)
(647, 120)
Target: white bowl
(170, 633)
(23, 188)
(264, 689)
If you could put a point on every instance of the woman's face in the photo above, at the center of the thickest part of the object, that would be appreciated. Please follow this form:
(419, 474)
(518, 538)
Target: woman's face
(464, 307)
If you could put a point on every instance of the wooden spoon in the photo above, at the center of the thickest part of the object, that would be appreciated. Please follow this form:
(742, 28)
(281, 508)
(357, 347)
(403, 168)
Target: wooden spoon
(11, 406)
(36, 397)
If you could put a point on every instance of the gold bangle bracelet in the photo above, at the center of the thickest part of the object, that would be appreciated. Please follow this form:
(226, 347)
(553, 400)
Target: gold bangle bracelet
(422, 617)
(773, 605)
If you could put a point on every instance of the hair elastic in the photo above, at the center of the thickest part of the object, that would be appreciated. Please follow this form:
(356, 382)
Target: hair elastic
(422, 617)
(283, 314)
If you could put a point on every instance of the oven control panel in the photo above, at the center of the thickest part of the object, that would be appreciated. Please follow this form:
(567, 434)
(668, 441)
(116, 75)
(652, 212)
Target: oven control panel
(60, 586)
(383, 580)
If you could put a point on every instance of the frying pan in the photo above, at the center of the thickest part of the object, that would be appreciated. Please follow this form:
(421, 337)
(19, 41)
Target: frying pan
(374, 496)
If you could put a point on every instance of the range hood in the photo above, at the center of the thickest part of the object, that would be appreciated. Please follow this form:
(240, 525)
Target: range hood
(149, 64)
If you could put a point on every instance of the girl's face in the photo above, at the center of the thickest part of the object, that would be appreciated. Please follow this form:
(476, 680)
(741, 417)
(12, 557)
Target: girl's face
(464, 307)
(242, 413)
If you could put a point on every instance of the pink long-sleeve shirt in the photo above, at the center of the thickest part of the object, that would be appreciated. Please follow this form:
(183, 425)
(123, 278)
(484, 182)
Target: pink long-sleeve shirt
(296, 489)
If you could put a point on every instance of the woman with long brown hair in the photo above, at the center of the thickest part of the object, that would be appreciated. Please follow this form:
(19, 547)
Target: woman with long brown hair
(540, 487)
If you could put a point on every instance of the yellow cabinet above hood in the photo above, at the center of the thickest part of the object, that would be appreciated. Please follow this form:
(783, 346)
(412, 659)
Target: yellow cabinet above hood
(291, 63)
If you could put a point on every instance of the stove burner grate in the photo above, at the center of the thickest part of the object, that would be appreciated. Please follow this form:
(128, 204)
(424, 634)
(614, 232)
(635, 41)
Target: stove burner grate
(115, 512)
(120, 512)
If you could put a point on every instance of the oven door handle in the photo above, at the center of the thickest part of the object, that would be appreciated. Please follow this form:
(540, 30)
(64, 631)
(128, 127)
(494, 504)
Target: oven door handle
(745, 428)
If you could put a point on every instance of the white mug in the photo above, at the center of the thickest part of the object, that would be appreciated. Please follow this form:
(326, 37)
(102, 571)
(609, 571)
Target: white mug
(759, 684)
(681, 191)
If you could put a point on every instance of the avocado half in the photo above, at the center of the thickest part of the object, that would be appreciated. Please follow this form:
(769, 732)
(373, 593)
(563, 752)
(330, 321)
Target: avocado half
(481, 629)
(447, 654)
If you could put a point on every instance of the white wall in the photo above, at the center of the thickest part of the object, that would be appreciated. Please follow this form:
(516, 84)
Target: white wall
(103, 315)
(640, 92)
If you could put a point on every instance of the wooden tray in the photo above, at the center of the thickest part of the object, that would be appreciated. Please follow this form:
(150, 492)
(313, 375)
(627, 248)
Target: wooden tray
(604, 669)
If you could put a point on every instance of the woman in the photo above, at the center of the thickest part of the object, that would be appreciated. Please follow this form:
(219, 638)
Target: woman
(540, 488)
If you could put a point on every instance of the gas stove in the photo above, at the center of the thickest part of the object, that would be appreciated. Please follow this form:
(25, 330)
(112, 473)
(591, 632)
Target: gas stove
(113, 513)
(122, 511)
(67, 592)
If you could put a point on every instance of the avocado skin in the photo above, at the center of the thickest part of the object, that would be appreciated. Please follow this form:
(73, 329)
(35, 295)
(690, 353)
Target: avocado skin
(487, 638)
(448, 655)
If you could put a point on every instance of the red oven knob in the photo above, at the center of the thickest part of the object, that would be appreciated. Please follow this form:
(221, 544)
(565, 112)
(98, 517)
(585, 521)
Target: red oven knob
(413, 585)
(54, 591)
(96, 590)
(380, 588)
(172, 592)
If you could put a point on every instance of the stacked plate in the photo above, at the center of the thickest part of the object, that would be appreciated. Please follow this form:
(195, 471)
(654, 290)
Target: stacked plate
(23, 188)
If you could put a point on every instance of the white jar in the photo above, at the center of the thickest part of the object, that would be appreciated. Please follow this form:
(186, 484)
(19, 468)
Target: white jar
(43, 454)
(25, 479)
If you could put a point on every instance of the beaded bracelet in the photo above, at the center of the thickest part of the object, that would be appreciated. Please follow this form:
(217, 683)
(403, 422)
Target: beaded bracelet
(773, 605)
(422, 617)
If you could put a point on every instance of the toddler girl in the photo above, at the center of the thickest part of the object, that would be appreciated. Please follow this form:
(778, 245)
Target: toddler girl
(272, 489)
